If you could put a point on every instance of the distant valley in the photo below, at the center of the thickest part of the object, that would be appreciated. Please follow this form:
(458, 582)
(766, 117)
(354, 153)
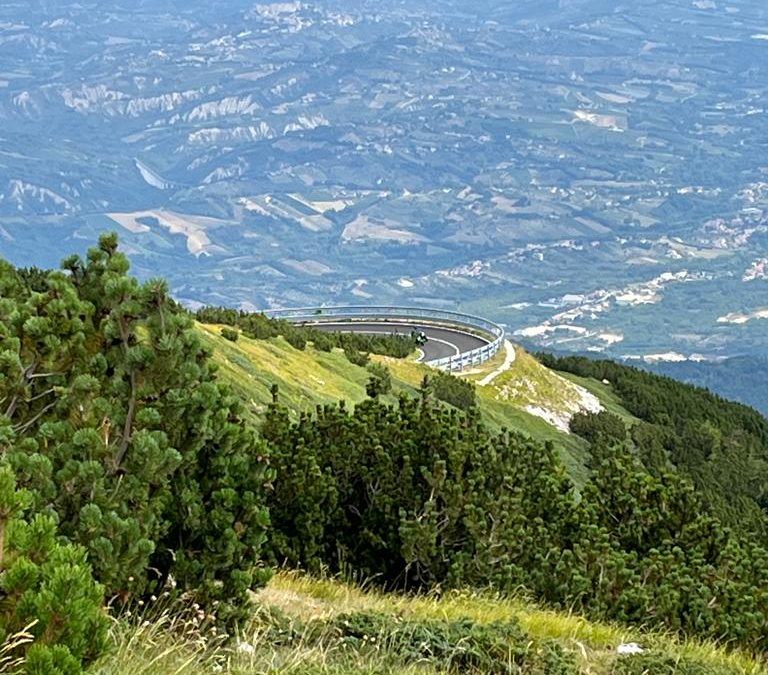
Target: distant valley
(593, 176)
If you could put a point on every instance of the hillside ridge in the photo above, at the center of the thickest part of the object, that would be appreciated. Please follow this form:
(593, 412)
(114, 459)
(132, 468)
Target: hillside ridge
(146, 456)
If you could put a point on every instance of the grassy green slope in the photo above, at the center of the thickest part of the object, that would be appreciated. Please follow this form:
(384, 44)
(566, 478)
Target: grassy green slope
(309, 377)
(147, 647)
(306, 378)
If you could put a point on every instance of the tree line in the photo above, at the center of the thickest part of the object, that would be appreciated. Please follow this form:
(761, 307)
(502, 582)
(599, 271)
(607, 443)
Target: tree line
(356, 346)
(719, 445)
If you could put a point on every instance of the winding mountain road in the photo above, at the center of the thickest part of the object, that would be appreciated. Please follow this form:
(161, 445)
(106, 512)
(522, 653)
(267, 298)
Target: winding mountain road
(442, 341)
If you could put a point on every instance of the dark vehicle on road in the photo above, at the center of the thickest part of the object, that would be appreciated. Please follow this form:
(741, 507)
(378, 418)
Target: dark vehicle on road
(420, 336)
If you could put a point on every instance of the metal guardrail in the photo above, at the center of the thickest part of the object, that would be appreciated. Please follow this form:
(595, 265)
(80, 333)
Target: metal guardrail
(493, 332)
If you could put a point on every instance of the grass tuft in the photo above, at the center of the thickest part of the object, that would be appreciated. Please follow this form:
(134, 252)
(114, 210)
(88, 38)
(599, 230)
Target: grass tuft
(295, 631)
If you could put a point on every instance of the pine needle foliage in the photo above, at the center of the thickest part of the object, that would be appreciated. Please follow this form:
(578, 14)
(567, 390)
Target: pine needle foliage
(720, 446)
(419, 496)
(51, 616)
(115, 425)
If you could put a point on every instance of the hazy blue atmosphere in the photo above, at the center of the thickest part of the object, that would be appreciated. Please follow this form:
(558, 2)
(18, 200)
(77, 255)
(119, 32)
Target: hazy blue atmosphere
(591, 174)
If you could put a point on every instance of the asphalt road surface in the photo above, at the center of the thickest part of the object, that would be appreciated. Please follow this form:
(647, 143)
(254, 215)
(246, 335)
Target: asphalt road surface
(441, 342)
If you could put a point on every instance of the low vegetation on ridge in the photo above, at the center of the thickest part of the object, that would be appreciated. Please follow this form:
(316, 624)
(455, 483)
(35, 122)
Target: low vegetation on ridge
(142, 475)
(299, 630)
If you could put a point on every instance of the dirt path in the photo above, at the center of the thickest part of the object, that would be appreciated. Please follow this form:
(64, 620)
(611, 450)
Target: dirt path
(508, 361)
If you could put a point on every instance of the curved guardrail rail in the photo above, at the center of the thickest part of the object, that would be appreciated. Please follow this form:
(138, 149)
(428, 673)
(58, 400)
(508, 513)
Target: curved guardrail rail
(419, 315)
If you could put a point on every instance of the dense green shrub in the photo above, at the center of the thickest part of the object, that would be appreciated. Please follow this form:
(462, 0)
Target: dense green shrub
(296, 339)
(379, 381)
(602, 426)
(413, 495)
(323, 342)
(356, 357)
(48, 589)
(230, 334)
(453, 390)
(112, 418)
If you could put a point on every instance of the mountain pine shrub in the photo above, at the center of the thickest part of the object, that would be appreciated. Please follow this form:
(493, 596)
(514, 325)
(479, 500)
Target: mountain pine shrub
(420, 496)
(379, 380)
(113, 421)
(459, 393)
(230, 334)
(48, 589)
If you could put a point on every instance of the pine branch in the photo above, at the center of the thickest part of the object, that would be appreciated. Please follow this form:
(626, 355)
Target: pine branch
(128, 427)
(26, 377)
(37, 397)
(23, 427)
(131, 414)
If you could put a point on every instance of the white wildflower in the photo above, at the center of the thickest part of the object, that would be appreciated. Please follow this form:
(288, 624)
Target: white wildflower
(245, 648)
(630, 648)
